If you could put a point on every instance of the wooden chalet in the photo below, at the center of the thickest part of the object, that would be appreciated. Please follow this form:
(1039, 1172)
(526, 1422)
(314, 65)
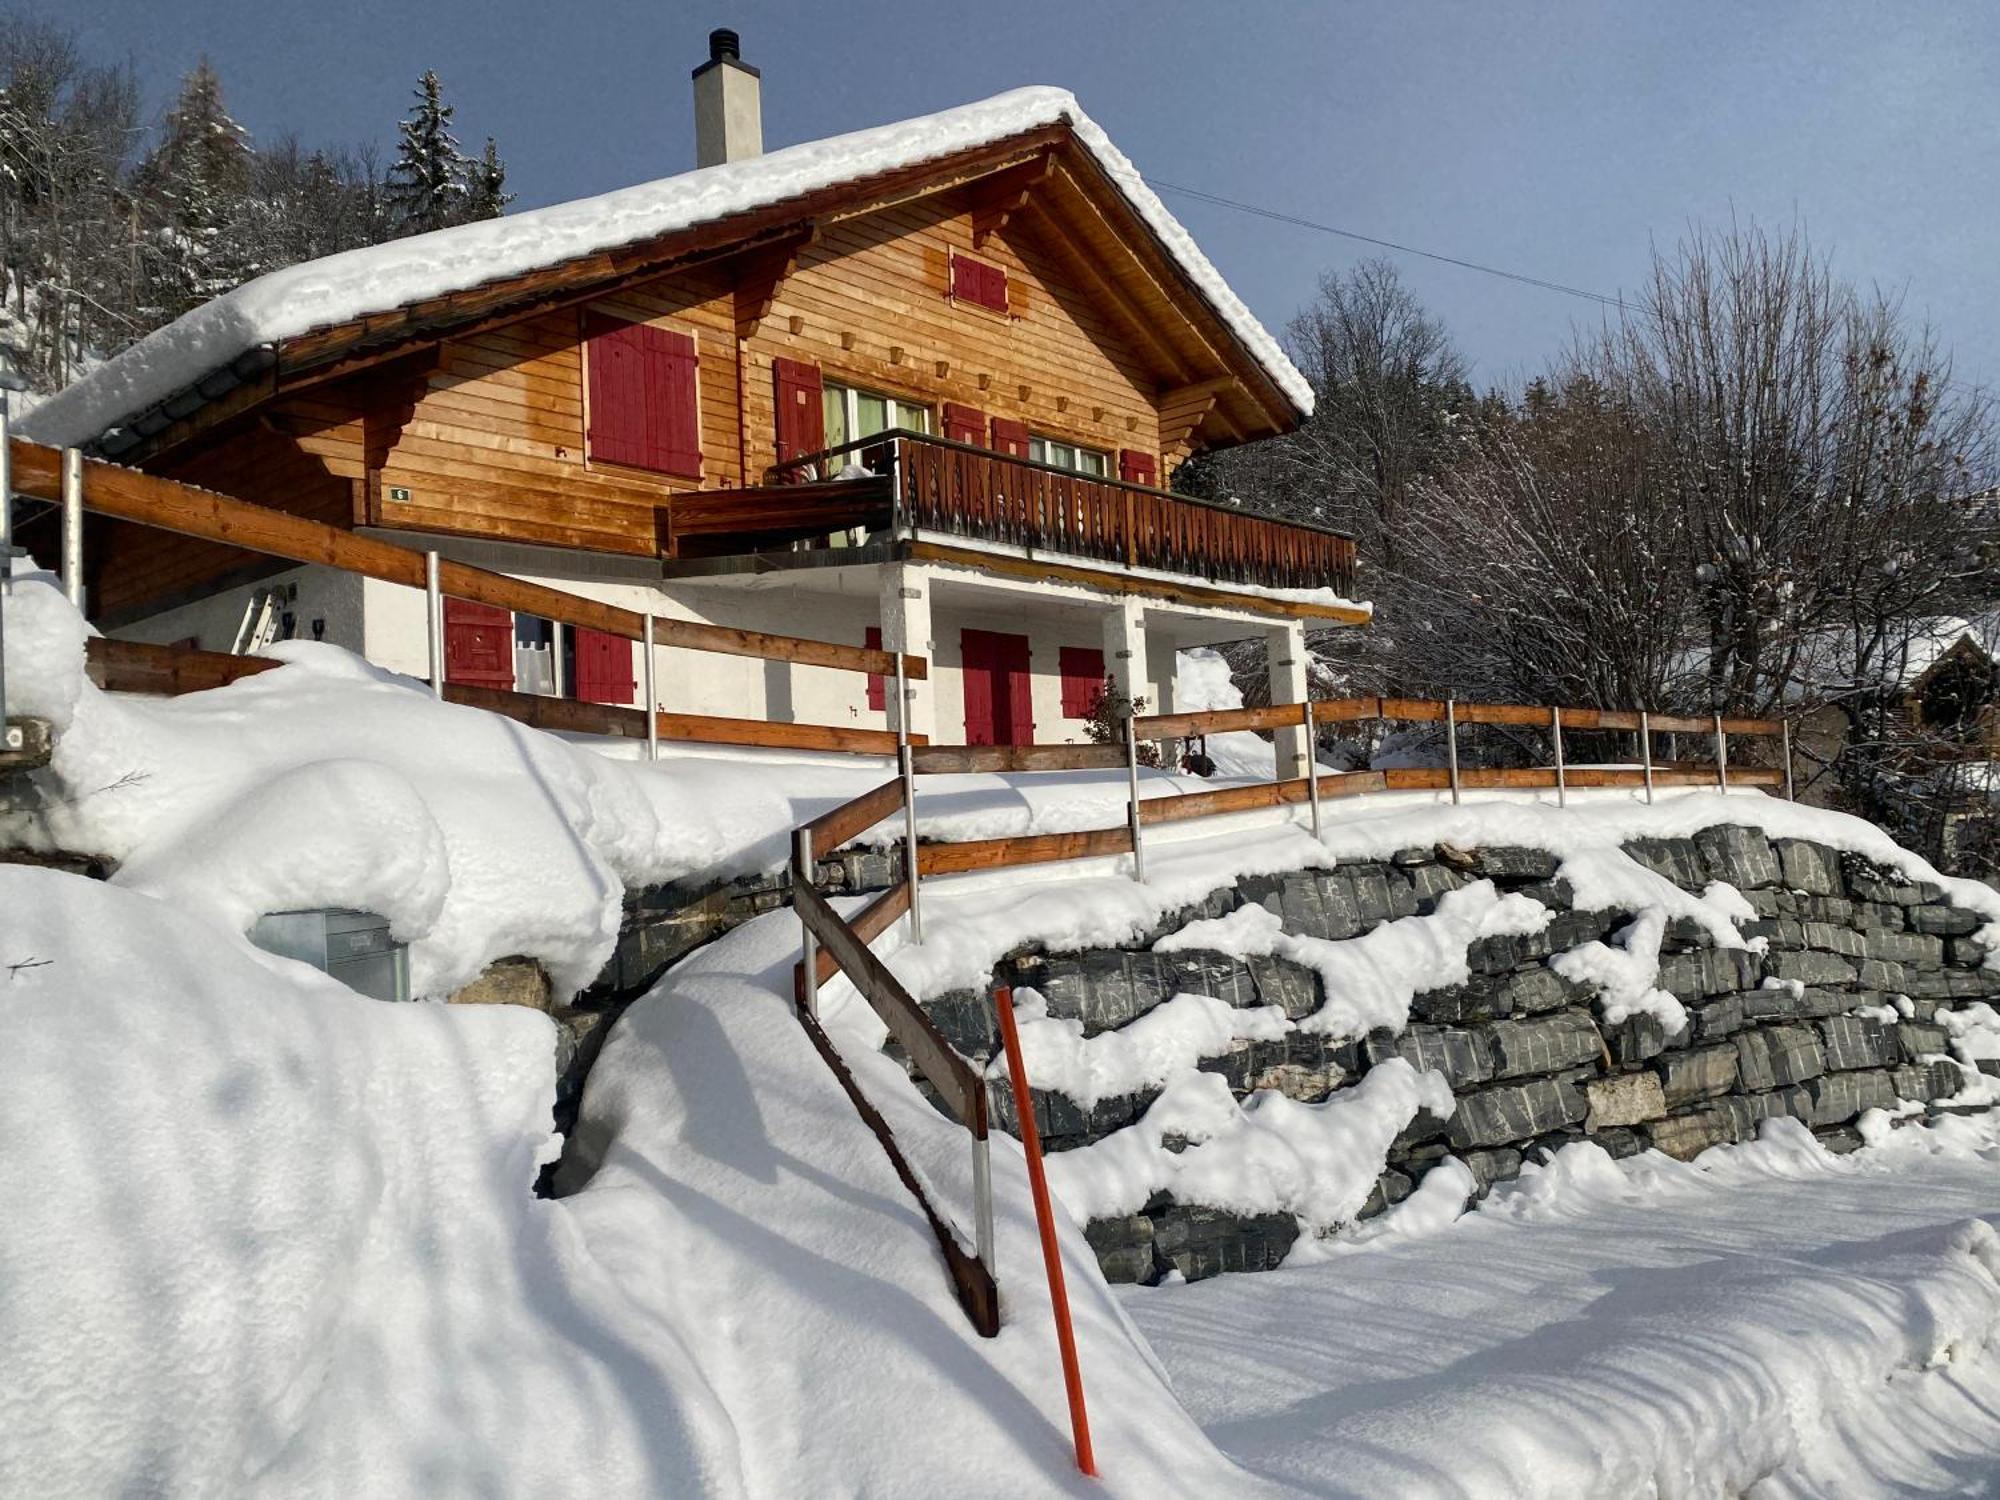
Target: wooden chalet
(922, 386)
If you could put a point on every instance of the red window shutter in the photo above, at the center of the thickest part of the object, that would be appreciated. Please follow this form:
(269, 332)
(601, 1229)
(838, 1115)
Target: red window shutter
(674, 401)
(1082, 680)
(1010, 437)
(877, 699)
(963, 424)
(616, 357)
(1135, 467)
(801, 410)
(478, 644)
(602, 667)
(977, 675)
(978, 283)
(1020, 729)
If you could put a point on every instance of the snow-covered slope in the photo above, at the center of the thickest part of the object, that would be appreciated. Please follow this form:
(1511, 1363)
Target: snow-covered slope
(378, 278)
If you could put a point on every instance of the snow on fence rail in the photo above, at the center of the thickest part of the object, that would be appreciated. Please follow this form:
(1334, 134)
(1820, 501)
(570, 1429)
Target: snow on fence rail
(77, 485)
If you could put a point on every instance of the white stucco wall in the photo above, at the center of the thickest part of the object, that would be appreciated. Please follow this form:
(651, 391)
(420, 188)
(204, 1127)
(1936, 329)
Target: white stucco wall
(306, 593)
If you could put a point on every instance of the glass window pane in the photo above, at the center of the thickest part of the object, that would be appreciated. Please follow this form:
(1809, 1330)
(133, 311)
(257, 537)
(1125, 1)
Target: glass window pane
(835, 401)
(1038, 450)
(1092, 463)
(871, 414)
(916, 418)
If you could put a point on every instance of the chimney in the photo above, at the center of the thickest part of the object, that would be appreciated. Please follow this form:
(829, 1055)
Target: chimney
(728, 105)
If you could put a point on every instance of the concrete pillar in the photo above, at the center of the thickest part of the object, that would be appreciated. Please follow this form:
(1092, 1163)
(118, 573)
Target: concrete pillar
(906, 627)
(1285, 646)
(1125, 658)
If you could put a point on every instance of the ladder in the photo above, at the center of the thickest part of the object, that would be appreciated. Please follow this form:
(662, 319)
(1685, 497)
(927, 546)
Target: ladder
(260, 623)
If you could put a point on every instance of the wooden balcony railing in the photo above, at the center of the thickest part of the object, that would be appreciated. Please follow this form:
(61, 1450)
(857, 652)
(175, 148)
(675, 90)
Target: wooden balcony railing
(961, 490)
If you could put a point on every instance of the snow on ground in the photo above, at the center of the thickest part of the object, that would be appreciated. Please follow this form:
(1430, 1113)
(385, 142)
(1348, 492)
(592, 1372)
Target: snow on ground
(1770, 1320)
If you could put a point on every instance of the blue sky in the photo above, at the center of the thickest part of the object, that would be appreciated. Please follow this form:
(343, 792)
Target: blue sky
(1561, 139)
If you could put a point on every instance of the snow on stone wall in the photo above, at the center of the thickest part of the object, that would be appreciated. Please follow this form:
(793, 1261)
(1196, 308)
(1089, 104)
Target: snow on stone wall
(1793, 980)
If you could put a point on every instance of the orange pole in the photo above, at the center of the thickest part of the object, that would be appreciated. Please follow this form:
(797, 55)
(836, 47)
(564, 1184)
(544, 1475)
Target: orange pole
(1045, 1220)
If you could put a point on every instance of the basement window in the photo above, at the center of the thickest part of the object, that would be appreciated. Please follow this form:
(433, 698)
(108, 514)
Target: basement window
(1069, 456)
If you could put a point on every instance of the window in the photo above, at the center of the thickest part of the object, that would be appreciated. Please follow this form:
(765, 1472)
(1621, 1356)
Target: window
(644, 406)
(853, 414)
(1069, 456)
(978, 283)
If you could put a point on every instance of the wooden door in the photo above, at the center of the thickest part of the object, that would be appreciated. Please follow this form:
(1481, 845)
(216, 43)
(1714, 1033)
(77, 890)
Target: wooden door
(998, 688)
(478, 644)
(601, 669)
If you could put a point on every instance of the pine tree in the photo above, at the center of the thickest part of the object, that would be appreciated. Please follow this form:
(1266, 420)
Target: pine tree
(193, 190)
(428, 184)
(486, 185)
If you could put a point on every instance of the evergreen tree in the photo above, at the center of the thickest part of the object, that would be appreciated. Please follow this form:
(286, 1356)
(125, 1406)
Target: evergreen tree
(429, 182)
(487, 193)
(193, 190)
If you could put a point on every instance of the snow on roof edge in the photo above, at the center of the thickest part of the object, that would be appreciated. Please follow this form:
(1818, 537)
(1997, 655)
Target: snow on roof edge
(339, 288)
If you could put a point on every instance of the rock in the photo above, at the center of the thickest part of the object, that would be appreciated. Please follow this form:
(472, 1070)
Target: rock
(1509, 862)
(1310, 903)
(1945, 921)
(1720, 1017)
(1811, 968)
(1869, 882)
(1903, 947)
(1839, 1097)
(1640, 1036)
(1489, 1167)
(1200, 1242)
(1543, 1044)
(1711, 971)
(1700, 1073)
(1503, 952)
(1808, 867)
(1124, 1247)
(1826, 937)
(1741, 856)
(1880, 974)
(1932, 1080)
(1679, 860)
(1627, 1099)
(1428, 882)
(1685, 1137)
(1514, 1112)
(1774, 1055)
(1853, 1042)
(1917, 1040)
(1479, 1000)
(1966, 952)
(509, 981)
(1464, 1057)
(1533, 991)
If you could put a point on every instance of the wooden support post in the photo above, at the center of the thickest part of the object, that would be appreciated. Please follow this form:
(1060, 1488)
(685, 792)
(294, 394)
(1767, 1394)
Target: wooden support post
(1556, 734)
(1312, 765)
(1451, 745)
(1785, 732)
(802, 873)
(434, 621)
(1038, 1186)
(1721, 756)
(652, 696)
(1646, 751)
(72, 526)
(1132, 790)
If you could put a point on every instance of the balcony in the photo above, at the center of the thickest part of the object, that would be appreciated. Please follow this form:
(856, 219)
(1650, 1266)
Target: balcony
(908, 481)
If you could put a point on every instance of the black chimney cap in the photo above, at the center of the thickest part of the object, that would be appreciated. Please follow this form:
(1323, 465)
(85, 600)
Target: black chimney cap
(724, 47)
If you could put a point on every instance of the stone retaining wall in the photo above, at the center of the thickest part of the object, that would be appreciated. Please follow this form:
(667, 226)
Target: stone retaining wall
(1837, 1015)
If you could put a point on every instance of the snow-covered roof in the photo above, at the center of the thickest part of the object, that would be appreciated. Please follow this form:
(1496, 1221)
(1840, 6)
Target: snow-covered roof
(379, 278)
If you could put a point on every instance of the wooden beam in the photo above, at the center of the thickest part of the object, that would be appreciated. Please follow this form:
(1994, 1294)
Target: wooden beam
(854, 817)
(1102, 289)
(1002, 196)
(1039, 570)
(165, 671)
(1034, 849)
(874, 919)
(972, 759)
(761, 277)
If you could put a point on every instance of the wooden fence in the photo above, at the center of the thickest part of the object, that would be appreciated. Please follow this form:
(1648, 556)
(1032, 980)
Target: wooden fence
(79, 485)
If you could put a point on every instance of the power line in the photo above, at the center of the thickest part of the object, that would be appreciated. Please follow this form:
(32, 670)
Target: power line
(1368, 239)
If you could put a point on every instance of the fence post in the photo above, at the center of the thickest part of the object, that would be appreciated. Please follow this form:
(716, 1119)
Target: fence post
(1312, 765)
(1721, 756)
(72, 526)
(1646, 751)
(1451, 745)
(434, 622)
(906, 767)
(1038, 1187)
(982, 1196)
(652, 696)
(1562, 777)
(10, 737)
(1784, 727)
(802, 870)
(1132, 790)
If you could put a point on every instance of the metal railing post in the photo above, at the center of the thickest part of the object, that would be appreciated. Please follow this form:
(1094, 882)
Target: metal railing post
(1451, 745)
(982, 1200)
(906, 767)
(72, 526)
(652, 697)
(1562, 770)
(1312, 765)
(802, 870)
(1646, 751)
(434, 622)
(1721, 756)
(10, 737)
(1785, 730)
(1132, 791)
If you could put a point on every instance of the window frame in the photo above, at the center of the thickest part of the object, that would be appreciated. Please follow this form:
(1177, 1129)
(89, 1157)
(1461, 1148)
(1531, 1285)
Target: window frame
(894, 408)
(1076, 450)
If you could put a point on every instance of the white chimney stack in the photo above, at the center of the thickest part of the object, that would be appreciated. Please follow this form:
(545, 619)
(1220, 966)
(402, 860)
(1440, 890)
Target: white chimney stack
(728, 105)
